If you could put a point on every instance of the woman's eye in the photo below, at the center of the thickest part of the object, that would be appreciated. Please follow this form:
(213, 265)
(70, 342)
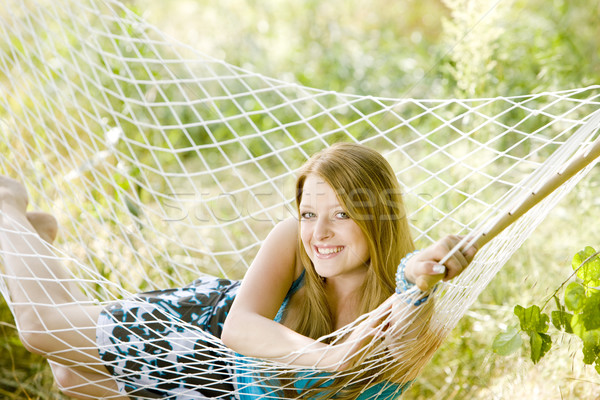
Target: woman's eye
(307, 215)
(342, 215)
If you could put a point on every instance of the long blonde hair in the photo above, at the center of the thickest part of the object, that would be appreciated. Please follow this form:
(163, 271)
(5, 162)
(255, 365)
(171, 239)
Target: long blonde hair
(368, 190)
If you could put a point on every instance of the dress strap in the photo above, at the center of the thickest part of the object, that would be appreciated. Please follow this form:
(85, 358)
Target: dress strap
(297, 284)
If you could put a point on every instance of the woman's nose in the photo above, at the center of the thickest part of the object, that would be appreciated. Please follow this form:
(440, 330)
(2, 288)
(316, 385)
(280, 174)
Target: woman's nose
(322, 229)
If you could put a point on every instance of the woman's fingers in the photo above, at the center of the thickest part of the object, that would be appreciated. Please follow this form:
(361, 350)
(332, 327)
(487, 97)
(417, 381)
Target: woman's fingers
(425, 268)
(455, 265)
(352, 350)
(470, 252)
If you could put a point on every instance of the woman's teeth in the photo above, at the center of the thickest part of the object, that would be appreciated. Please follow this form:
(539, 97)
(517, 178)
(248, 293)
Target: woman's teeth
(329, 250)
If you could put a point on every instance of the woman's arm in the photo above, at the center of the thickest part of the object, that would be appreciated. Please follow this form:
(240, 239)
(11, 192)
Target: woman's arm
(411, 340)
(249, 328)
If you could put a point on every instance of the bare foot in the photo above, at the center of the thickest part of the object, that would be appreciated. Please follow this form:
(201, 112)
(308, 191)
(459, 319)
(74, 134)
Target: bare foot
(45, 224)
(13, 193)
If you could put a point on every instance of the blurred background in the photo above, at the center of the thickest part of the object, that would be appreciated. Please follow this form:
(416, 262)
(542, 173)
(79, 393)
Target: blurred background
(414, 49)
(409, 48)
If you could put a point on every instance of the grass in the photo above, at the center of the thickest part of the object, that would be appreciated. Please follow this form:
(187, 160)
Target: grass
(23, 375)
(466, 368)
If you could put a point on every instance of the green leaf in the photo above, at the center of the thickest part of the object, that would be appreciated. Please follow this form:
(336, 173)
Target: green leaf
(589, 272)
(540, 344)
(574, 296)
(507, 342)
(577, 325)
(581, 256)
(532, 319)
(591, 346)
(562, 320)
(591, 312)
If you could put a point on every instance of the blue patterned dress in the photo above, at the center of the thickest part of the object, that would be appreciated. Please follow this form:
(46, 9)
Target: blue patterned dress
(161, 344)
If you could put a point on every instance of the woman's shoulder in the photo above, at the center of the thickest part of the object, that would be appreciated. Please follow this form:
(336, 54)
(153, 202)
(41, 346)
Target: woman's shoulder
(285, 238)
(285, 232)
(289, 225)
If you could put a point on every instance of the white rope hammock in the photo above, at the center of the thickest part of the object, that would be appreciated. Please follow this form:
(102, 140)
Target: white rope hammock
(162, 163)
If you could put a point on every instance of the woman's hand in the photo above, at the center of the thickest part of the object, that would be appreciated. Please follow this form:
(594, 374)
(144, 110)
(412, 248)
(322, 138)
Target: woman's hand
(350, 351)
(391, 325)
(426, 263)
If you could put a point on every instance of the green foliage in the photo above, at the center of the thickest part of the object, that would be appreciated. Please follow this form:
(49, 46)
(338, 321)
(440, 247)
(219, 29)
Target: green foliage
(582, 297)
(562, 320)
(507, 342)
(589, 272)
(532, 319)
(540, 344)
(535, 324)
(574, 296)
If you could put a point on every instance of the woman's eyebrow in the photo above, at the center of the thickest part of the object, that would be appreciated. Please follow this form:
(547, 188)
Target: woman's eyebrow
(312, 206)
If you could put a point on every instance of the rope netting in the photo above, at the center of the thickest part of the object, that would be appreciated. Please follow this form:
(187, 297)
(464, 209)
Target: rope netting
(162, 163)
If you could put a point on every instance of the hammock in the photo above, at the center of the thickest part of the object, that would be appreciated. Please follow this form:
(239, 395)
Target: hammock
(162, 163)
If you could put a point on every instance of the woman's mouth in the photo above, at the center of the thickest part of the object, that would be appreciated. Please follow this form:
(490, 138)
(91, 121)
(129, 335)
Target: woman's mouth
(327, 251)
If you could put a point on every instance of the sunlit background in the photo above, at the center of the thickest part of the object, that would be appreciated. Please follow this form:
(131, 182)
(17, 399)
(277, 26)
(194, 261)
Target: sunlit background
(420, 49)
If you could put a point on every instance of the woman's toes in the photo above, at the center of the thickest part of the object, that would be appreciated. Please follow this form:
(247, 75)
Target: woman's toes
(45, 224)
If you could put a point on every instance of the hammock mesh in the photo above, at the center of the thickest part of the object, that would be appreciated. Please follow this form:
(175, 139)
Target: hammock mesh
(162, 163)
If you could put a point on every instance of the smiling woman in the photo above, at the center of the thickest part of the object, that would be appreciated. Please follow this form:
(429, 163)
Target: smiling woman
(358, 182)
(335, 244)
(162, 163)
(309, 280)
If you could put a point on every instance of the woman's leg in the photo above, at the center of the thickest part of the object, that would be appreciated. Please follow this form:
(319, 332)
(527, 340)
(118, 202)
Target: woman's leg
(86, 385)
(54, 318)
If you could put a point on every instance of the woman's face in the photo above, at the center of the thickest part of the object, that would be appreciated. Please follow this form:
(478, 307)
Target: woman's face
(335, 243)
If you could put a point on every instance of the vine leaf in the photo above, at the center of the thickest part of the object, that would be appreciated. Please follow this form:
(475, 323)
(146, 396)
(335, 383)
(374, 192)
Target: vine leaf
(507, 342)
(589, 273)
(591, 312)
(540, 344)
(575, 296)
(535, 324)
(562, 320)
(579, 314)
(577, 325)
(532, 319)
(591, 346)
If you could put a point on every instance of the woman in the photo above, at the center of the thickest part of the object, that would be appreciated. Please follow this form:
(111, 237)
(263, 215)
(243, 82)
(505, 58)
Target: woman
(314, 275)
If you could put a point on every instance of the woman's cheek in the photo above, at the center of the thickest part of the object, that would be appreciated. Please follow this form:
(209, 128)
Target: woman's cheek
(305, 236)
